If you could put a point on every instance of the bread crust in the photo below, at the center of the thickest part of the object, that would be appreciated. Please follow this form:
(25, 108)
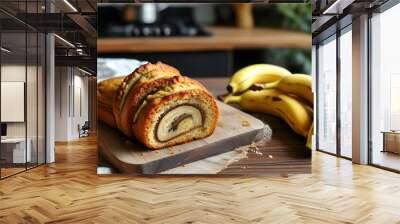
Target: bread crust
(106, 92)
(106, 115)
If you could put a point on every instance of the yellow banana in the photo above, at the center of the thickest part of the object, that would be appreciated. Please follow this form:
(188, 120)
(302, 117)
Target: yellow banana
(251, 101)
(309, 107)
(294, 113)
(298, 84)
(272, 101)
(243, 79)
(309, 137)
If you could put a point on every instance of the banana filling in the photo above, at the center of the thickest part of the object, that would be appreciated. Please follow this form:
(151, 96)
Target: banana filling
(177, 121)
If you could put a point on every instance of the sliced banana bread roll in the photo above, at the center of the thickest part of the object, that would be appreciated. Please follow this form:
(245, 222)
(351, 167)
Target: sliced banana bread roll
(176, 114)
(159, 107)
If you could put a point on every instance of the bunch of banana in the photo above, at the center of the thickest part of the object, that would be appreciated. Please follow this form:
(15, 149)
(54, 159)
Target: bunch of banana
(282, 94)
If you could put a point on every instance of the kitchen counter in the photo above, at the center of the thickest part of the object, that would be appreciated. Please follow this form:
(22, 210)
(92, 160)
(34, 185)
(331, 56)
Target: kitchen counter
(285, 153)
(223, 38)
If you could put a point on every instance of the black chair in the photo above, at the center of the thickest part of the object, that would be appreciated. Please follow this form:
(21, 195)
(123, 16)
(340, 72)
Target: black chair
(84, 130)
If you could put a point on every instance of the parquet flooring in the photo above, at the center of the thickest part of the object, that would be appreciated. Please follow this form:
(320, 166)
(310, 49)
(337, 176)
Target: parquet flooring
(69, 191)
(7, 171)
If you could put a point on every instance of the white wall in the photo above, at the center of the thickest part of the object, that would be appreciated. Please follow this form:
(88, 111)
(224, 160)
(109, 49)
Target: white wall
(33, 126)
(83, 83)
(70, 83)
(17, 73)
(61, 103)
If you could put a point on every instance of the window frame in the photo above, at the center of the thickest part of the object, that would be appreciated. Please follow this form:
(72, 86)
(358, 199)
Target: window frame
(30, 29)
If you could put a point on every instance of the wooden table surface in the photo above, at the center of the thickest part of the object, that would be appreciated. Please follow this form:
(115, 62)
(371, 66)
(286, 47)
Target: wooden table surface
(223, 38)
(283, 153)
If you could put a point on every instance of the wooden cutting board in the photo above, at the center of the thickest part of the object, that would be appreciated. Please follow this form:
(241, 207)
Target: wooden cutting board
(235, 128)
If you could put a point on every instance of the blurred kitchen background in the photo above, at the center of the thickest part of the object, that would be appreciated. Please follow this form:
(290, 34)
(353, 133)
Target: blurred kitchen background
(207, 40)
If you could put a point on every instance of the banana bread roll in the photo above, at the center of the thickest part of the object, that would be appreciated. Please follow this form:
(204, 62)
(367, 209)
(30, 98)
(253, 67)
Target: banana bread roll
(160, 107)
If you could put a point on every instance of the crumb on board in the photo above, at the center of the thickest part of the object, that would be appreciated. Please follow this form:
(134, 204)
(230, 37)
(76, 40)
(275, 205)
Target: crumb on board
(253, 148)
(259, 153)
(245, 123)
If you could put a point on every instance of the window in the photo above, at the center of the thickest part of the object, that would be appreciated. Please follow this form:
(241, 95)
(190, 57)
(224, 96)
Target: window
(327, 95)
(346, 92)
(385, 89)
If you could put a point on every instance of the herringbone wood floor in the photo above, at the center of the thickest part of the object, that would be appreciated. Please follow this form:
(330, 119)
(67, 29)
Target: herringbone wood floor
(69, 191)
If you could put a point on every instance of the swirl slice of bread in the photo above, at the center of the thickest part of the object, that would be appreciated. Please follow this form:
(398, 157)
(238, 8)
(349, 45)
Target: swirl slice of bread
(158, 106)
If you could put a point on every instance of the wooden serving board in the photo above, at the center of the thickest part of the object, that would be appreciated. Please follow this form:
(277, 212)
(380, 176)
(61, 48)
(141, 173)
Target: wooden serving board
(235, 128)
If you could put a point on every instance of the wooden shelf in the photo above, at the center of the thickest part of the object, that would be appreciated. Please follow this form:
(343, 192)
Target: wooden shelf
(223, 38)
